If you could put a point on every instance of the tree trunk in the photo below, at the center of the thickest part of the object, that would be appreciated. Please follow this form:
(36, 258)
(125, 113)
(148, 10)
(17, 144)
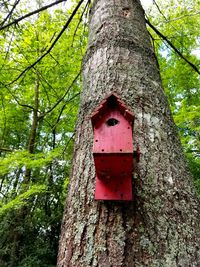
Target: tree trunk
(161, 226)
(21, 214)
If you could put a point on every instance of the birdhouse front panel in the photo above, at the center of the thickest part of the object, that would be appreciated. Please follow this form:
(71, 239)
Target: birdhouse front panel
(113, 133)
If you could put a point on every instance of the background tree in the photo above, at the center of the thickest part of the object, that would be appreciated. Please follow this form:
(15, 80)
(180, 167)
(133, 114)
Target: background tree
(37, 120)
(179, 22)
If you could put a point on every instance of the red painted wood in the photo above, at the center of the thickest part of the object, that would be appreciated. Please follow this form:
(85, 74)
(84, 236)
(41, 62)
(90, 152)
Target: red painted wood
(117, 138)
(113, 150)
(114, 176)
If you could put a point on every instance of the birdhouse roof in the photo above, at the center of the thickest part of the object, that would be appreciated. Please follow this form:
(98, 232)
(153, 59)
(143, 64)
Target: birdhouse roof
(111, 102)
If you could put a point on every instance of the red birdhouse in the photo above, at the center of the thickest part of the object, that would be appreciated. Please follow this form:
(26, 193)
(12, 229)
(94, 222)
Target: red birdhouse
(113, 149)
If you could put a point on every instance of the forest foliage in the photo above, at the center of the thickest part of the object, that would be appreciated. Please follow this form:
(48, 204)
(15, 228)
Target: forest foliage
(179, 21)
(39, 100)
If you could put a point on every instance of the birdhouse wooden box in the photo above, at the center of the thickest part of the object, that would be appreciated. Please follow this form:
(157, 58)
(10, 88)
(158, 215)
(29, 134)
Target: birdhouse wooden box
(113, 149)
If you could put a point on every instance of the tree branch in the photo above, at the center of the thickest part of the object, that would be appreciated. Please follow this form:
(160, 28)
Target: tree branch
(79, 22)
(62, 109)
(5, 149)
(61, 99)
(172, 46)
(10, 13)
(31, 13)
(53, 44)
(167, 20)
(159, 9)
(15, 98)
(184, 16)
(42, 78)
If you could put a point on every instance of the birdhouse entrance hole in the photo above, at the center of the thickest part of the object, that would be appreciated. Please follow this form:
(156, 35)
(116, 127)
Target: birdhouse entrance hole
(112, 122)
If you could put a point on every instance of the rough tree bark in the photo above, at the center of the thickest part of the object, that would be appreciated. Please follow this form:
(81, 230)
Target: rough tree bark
(161, 226)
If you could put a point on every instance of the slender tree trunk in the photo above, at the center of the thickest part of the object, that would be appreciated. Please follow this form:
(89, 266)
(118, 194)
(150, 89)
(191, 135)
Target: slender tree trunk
(161, 226)
(21, 214)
